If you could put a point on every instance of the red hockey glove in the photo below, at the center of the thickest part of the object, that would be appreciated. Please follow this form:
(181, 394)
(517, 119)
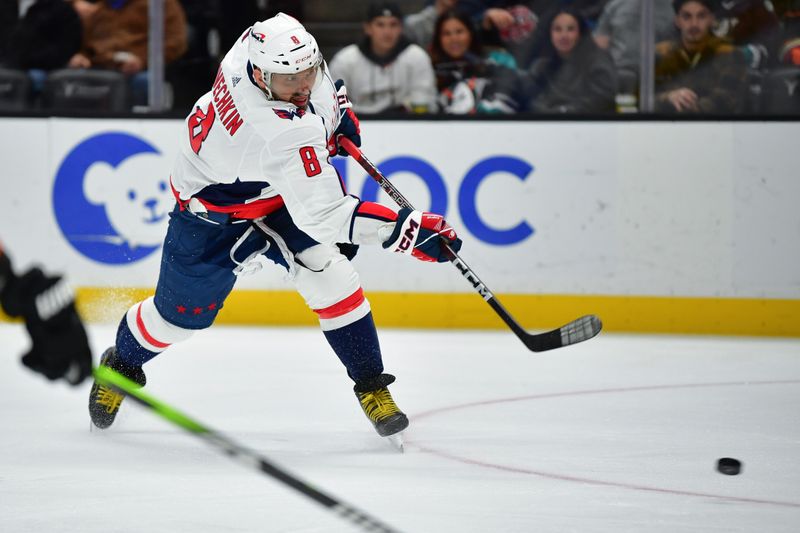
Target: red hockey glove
(423, 235)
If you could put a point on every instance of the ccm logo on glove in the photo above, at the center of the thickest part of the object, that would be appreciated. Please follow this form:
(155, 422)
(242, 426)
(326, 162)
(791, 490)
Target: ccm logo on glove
(408, 237)
(423, 235)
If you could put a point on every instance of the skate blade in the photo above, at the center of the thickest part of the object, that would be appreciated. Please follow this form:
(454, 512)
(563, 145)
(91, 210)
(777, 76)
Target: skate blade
(396, 441)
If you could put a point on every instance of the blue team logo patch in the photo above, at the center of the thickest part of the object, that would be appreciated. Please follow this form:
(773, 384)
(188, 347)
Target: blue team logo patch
(111, 198)
(287, 114)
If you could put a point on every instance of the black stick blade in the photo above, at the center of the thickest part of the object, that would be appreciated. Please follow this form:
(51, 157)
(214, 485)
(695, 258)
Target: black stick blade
(579, 330)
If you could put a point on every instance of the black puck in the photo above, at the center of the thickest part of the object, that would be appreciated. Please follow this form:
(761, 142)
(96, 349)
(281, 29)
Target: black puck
(729, 466)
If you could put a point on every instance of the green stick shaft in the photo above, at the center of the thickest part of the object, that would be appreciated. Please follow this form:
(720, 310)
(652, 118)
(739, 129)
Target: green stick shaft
(110, 378)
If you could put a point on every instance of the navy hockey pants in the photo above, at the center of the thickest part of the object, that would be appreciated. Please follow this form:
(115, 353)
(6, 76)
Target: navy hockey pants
(196, 265)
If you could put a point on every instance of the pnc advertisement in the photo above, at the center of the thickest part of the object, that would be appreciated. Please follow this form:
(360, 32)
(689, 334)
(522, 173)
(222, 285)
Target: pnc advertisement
(543, 208)
(111, 195)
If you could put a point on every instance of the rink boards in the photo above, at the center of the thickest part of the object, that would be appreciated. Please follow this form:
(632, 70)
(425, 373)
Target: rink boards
(655, 226)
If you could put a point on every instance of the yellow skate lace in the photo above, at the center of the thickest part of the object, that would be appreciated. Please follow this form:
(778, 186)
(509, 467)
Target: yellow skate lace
(109, 399)
(378, 404)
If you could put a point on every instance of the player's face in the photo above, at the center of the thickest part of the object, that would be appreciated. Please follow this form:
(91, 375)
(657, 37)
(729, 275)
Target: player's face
(455, 38)
(294, 88)
(564, 33)
(694, 21)
(384, 33)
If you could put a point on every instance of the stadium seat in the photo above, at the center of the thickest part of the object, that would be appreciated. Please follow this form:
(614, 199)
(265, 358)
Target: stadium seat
(781, 92)
(754, 99)
(14, 90)
(86, 90)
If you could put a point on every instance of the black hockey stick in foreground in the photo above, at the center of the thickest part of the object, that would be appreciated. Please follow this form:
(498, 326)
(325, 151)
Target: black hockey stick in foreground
(109, 378)
(581, 329)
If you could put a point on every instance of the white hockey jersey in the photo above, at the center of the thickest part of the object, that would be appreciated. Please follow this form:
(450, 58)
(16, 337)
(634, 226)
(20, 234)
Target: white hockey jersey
(244, 154)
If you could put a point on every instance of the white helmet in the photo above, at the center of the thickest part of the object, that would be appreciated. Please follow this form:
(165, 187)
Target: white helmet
(281, 45)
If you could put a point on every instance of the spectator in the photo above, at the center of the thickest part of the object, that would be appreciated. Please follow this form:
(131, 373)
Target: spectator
(515, 23)
(115, 37)
(780, 94)
(618, 31)
(589, 10)
(230, 22)
(386, 72)
(510, 24)
(419, 26)
(751, 25)
(789, 49)
(191, 74)
(699, 72)
(573, 75)
(60, 21)
(468, 79)
(9, 17)
(495, 15)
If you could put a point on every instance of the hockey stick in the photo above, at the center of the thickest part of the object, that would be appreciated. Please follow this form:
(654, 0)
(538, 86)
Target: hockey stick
(579, 330)
(246, 456)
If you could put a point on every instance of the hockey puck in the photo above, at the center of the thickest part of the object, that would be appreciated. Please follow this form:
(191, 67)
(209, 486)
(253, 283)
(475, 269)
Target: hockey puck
(729, 466)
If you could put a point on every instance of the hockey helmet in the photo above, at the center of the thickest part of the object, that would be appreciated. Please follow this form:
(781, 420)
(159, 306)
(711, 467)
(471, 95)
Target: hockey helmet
(281, 45)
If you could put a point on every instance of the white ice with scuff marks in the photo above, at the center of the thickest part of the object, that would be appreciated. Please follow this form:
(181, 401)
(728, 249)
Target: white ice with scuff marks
(619, 434)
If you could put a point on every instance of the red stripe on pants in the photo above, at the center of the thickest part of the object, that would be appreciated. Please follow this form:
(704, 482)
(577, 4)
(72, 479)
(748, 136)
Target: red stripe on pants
(343, 307)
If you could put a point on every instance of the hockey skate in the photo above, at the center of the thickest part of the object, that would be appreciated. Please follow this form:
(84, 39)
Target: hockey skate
(378, 405)
(104, 402)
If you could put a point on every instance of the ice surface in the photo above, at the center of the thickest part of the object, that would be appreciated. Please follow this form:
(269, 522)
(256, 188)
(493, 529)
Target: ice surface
(619, 434)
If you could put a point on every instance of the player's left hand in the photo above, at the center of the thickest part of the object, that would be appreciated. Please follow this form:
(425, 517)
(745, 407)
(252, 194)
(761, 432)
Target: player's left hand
(59, 348)
(423, 235)
(348, 125)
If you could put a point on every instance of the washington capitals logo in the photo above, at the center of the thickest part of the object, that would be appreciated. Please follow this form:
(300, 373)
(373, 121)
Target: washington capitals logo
(285, 113)
(258, 36)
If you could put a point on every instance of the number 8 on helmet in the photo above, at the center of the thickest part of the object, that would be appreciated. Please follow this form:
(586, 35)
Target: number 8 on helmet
(281, 45)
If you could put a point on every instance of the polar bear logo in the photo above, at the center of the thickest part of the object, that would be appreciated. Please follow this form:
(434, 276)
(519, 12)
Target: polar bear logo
(136, 196)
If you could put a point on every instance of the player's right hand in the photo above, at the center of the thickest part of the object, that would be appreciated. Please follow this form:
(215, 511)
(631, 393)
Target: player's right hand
(424, 236)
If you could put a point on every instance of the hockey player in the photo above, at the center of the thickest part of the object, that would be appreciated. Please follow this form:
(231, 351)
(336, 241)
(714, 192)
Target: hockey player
(253, 178)
(59, 347)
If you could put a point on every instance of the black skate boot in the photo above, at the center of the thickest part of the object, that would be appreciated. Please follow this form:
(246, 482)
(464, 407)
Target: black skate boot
(378, 405)
(104, 402)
